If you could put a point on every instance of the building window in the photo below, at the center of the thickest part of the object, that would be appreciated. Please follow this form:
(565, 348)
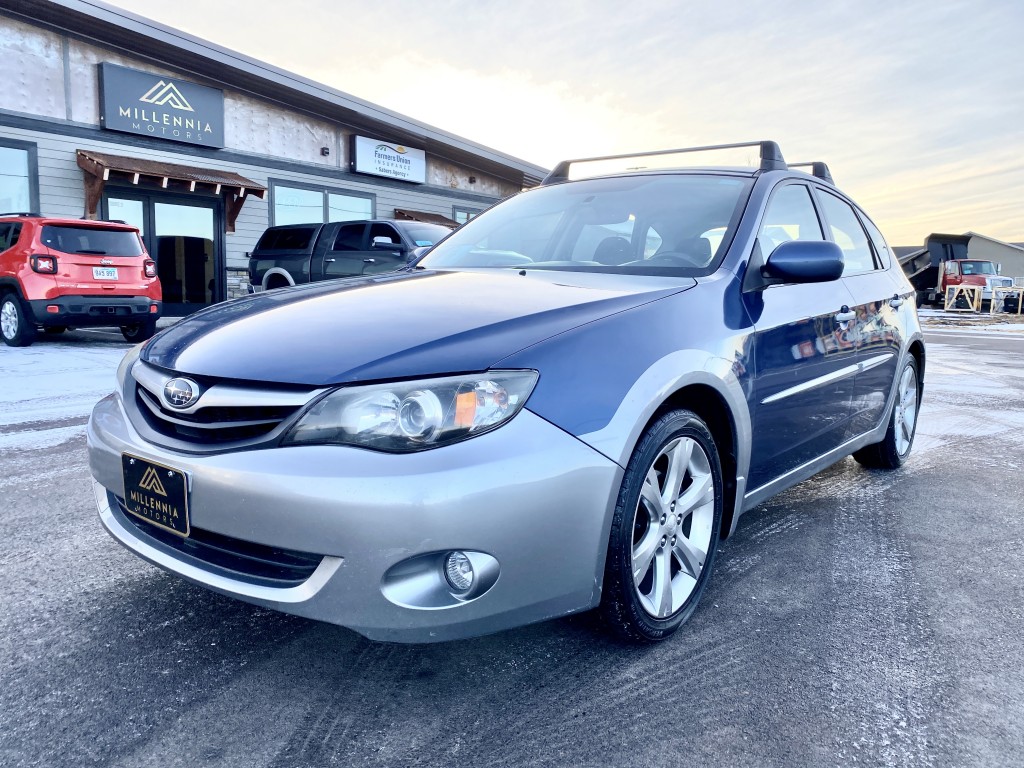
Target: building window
(462, 215)
(295, 204)
(19, 174)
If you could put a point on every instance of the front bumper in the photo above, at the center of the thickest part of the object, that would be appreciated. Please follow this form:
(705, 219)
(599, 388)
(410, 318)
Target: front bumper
(528, 494)
(88, 311)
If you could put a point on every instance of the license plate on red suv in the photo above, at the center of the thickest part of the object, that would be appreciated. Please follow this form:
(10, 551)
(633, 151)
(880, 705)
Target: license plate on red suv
(104, 273)
(156, 493)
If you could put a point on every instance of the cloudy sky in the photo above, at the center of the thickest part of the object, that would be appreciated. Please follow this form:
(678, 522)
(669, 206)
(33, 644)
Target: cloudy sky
(918, 107)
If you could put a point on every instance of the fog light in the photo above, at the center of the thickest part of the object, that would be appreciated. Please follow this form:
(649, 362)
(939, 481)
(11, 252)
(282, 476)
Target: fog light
(153, 309)
(458, 571)
(53, 309)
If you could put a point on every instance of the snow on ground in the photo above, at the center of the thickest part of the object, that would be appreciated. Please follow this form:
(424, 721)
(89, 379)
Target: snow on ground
(50, 382)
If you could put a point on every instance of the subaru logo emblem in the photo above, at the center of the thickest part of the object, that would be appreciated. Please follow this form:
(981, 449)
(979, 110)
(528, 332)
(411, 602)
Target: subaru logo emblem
(181, 393)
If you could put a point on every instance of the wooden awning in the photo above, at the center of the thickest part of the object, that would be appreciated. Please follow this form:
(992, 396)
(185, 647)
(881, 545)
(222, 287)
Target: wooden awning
(100, 168)
(402, 214)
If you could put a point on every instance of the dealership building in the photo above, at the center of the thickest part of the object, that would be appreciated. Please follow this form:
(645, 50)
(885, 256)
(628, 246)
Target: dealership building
(105, 114)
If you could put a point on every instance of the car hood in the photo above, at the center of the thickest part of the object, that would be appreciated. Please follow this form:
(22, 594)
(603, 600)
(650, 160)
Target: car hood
(399, 325)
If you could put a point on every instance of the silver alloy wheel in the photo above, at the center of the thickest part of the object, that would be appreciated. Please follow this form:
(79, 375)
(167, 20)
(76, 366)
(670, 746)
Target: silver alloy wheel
(672, 527)
(906, 411)
(9, 319)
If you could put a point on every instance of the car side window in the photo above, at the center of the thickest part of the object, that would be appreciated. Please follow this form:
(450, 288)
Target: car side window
(5, 243)
(881, 247)
(790, 216)
(848, 234)
(350, 237)
(385, 230)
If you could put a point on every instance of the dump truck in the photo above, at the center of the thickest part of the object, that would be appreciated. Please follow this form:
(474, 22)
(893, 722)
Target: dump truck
(943, 263)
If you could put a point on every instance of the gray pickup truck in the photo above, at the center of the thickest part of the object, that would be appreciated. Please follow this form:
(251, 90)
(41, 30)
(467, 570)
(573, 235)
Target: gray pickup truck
(291, 254)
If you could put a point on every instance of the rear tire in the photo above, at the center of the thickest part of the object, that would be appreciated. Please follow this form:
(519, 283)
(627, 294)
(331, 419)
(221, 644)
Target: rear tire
(137, 332)
(16, 330)
(894, 448)
(665, 530)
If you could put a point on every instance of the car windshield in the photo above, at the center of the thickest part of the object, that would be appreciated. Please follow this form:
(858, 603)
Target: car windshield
(644, 224)
(425, 234)
(92, 240)
(978, 267)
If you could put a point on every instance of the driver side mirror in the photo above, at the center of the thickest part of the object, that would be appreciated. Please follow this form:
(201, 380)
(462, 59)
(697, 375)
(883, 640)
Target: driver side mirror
(804, 261)
(382, 243)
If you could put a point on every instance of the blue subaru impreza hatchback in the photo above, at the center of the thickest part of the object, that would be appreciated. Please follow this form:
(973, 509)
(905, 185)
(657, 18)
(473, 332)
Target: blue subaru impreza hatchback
(566, 404)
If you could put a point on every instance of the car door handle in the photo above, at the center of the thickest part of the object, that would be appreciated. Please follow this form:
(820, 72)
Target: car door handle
(846, 315)
(328, 261)
(896, 302)
(369, 261)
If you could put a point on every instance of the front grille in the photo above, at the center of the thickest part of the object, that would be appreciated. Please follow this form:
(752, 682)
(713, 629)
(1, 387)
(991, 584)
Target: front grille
(226, 414)
(212, 425)
(224, 555)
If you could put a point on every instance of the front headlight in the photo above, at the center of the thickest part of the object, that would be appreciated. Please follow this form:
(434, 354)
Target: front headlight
(414, 415)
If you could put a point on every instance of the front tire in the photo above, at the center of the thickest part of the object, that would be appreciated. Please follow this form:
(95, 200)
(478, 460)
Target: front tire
(894, 449)
(137, 332)
(16, 330)
(665, 530)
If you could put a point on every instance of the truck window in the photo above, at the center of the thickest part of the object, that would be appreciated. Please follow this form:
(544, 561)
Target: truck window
(385, 230)
(350, 238)
(286, 239)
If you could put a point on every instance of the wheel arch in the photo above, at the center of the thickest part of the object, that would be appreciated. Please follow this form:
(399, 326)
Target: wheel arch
(709, 387)
(271, 277)
(712, 408)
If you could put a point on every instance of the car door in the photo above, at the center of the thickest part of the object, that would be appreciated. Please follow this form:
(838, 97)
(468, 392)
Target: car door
(387, 251)
(346, 255)
(876, 332)
(804, 370)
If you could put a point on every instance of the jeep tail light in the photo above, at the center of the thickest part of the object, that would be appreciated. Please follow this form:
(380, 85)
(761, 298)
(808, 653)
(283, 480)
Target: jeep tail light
(150, 268)
(44, 265)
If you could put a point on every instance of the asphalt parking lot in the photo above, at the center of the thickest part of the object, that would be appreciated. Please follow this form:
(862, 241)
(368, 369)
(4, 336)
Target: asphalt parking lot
(862, 618)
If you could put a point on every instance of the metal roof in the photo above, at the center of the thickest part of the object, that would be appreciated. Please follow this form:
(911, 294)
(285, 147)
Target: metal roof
(145, 39)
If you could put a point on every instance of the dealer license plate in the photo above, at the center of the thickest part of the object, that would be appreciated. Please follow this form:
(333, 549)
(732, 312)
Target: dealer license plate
(104, 273)
(156, 493)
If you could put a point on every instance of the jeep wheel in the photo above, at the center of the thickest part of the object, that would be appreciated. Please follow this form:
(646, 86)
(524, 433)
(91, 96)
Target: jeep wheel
(137, 332)
(15, 329)
(665, 531)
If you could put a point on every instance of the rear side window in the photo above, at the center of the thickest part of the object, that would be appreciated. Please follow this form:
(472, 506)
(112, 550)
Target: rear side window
(881, 248)
(286, 239)
(848, 234)
(92, 240)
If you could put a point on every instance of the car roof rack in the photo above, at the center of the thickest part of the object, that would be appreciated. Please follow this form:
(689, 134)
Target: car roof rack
(24, 214)
(771, 158)
(818, 170)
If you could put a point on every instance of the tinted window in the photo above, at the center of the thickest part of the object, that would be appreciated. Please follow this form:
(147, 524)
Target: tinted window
(384, 230)
(93, 240)
(289, 239)
(656, 223)
(848, 234)
(350, 238)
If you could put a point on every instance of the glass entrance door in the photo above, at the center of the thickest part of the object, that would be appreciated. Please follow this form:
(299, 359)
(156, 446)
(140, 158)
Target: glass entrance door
(183, 240)
(180, 235)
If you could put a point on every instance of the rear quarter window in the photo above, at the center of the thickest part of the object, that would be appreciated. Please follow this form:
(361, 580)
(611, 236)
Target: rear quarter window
(289, 239)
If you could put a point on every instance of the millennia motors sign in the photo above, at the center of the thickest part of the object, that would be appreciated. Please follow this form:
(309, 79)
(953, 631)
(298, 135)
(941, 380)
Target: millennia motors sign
(385, 158)
(139, 102)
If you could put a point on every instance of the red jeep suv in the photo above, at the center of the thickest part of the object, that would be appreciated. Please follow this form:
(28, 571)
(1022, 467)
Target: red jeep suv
(61, 273)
